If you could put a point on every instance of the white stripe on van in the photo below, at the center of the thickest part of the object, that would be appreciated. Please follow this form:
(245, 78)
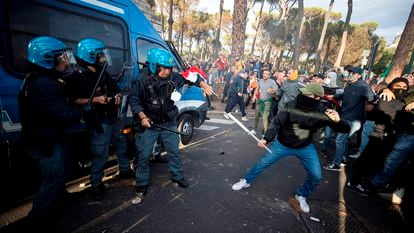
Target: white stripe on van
(105, 5)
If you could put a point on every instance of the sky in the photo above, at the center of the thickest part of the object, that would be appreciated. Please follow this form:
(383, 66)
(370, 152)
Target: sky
(391, 15)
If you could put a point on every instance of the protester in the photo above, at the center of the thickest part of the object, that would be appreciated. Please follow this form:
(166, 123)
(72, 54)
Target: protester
(264, 92)
(382, 138)
(289, 89)
(404, 145)
(236, 96)
(295, 126)
(355, 102)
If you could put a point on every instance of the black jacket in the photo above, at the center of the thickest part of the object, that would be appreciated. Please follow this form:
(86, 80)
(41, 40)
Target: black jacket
(152, 95)
(295, 126)
(80, 86)
(44, 110)
(404, 121)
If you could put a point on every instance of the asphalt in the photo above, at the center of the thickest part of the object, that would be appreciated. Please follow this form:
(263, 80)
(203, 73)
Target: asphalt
(213, 161)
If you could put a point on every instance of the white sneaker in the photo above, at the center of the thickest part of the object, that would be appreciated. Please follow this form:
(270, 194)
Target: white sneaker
(226, 116)
(241, 184)
(302, 203)
(244, 119)
(356, 155)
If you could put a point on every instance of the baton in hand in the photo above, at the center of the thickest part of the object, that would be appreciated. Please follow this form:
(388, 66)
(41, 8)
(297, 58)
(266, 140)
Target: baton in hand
(97, 83)
(247, 130)
(168, 129)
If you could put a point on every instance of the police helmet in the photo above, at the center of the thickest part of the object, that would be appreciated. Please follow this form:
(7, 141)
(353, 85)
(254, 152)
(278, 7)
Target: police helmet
(89, 50)
(159, 57)
(43, 50)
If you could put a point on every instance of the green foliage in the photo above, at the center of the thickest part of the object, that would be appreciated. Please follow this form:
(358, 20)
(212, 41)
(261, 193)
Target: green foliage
(276, 33)
(384, 60)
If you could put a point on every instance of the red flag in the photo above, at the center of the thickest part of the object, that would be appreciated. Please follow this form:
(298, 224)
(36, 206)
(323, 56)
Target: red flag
(192, 73)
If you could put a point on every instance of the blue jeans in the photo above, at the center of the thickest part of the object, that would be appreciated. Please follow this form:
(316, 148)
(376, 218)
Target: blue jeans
(403, 147)
(53, 179)
(120, 144)
(367, 129)
(233, 100)
(327, 138)
(307, 156)
(100, 142)
(342, 142)
(145, 143)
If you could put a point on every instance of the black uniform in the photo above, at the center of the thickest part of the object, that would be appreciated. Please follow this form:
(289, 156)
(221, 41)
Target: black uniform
(44, 114)
(151, 95)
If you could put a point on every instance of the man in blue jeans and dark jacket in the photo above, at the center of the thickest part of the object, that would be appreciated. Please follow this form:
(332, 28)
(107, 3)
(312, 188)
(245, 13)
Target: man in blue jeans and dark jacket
(295, 126)
(356, 100)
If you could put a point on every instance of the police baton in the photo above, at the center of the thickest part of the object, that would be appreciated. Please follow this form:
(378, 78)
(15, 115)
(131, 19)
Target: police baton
(168, 129)
(97, 83)
(247, 131)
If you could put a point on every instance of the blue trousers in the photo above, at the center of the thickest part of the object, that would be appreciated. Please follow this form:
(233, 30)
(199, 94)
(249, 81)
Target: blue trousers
(403, 147)
(367, 129)
(145, 143)
(307, 156)
(233, 100)
(342, 142)
(53, 179)
(100, 142)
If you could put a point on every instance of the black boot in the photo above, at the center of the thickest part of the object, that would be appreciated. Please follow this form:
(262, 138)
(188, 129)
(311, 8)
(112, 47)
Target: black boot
(126, 175)
(98, 193)
(181, 182)
(142, 190)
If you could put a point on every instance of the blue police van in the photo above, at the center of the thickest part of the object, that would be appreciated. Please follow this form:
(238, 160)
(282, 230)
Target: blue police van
(127, 33)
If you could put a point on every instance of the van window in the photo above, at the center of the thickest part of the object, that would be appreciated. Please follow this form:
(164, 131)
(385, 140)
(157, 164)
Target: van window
(143, 46)
(28, 20)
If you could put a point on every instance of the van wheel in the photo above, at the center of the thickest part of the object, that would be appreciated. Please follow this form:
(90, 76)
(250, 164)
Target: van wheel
(186, 126)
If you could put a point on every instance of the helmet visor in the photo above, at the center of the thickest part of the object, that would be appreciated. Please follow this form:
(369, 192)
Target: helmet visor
(67, 56)
(103, 56)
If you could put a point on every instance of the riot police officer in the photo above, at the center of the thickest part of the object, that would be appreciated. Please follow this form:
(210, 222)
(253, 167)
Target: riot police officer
(44, 113)
(152, 103)
(93, 57)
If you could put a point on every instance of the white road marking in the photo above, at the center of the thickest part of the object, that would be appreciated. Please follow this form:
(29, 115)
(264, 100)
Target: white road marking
(207, 127)
(220, 121)
(137, 223)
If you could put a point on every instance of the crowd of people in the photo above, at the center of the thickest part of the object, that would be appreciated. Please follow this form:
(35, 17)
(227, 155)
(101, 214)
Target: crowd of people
(294, 109)
(378, 115)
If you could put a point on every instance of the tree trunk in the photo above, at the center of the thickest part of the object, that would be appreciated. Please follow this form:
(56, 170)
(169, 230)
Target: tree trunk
(344, 35)
(217, 41)
(257, 28)
(239, 28)
(279, 61)
(190, 46)
(322, 38)
(182, 30)
(403, 49)
(269, 53)
(170, 21)
(298, 45)
(328, 49)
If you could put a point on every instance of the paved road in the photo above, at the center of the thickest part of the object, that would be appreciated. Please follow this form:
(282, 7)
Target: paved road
(220, 155)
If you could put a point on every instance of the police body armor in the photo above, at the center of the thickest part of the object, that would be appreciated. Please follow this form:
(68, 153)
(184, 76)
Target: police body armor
(160, 108)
